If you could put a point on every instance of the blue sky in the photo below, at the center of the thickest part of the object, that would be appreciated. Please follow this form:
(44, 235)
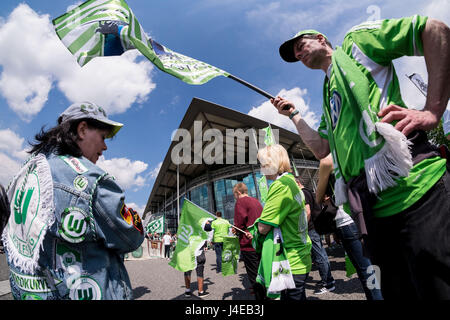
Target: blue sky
(39, 78)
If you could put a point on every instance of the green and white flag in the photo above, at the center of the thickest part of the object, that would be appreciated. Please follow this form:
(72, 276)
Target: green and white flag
(108, 28)
(156, 225)
(230, 255)
(269, 138)
(263, 188)
(190, 236)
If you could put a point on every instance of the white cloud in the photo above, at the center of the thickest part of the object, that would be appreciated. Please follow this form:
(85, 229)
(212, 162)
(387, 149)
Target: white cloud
(154, 173)
(8, 168)
(124, 170)
(12, 155)
(36, 60)
(112, 82)
(269, 113)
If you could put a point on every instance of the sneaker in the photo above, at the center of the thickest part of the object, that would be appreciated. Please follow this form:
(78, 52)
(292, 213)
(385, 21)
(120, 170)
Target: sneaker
(187, 294)
(203, 294)
(325, 289)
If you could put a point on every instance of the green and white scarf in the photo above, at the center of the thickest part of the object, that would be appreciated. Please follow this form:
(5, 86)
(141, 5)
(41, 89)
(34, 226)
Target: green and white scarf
(384, 150)
(274, 271)
(32, 213)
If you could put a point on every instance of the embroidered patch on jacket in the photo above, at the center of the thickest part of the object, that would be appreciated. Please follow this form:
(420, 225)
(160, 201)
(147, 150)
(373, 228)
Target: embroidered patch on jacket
(85, 288)
(75, 164)
(74, 225)
(80, 183)
(137, 222)
(126, 215)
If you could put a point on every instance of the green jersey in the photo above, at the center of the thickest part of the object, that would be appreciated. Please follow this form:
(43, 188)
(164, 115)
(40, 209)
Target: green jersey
(220, 227)
(373, 46)
(285, 208)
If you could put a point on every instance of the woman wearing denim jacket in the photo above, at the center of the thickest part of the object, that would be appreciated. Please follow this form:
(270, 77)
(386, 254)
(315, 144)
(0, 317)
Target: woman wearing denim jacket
(69, 227)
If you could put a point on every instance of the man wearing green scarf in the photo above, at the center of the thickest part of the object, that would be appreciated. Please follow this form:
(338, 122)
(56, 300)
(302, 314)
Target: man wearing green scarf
(388, 177)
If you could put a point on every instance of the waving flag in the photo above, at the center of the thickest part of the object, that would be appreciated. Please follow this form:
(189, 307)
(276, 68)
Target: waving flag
(156, 225)
(108, 27)
(269, 138)
(191, 236)
(230, 255)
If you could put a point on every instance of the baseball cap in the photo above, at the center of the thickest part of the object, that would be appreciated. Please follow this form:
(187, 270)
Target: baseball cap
(287, 48)
(83, 110)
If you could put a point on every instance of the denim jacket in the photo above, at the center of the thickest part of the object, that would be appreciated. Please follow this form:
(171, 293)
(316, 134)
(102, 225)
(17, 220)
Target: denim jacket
(82, 252)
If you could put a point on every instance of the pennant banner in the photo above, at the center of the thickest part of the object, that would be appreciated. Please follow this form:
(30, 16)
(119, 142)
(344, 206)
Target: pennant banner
(99, 28)
(190, 236)
(230, 255)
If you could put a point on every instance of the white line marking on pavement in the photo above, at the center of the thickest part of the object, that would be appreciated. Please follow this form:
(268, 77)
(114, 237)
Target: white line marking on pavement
(5, 288)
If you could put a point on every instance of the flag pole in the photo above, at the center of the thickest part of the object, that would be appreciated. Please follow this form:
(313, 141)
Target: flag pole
(245, 83)
(260, 91)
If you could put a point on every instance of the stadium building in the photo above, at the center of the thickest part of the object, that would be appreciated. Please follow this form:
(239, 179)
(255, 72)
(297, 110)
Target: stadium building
(213, 149)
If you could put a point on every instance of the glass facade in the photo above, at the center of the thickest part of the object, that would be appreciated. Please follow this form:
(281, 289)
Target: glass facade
(199, 196)
(223, 193)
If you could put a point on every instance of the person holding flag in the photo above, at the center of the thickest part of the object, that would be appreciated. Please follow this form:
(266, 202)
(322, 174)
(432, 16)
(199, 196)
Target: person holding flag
(391, 179)
(194, 230)
(283, 222)
(246, 210)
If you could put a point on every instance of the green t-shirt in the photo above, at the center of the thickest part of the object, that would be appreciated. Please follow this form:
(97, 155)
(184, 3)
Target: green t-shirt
(373, 45)
(285, 208)
(220, 227)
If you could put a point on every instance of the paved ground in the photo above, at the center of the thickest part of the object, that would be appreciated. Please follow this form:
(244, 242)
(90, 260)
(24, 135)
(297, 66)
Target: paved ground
(154, 279)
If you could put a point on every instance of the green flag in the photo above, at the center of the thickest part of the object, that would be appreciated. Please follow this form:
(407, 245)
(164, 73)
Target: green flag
(156, 225)
(230, 255)
(108, 28)
(269, 139)
(190, 236)
(263, 189)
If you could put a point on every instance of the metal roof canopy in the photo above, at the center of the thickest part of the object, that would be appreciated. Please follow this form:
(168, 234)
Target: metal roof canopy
(214, 116)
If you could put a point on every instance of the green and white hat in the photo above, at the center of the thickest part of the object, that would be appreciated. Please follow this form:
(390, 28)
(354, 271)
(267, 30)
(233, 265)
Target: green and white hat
(83, 110)
(287, 48)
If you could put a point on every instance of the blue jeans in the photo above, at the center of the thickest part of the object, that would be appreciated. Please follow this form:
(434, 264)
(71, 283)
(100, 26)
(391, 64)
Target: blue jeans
(349, 236)
(299, 292)
(218, 246)
(320, 257)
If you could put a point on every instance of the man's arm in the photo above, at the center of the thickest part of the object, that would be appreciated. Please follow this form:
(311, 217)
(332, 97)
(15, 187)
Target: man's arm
(325, 169)
(436, 47)
(310, 137)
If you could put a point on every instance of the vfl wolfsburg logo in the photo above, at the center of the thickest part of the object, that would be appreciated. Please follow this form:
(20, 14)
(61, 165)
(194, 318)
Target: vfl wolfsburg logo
(227, 254)
(185, 233)
(85, 288)
(335, 106)
(73, 225)
(80, 183)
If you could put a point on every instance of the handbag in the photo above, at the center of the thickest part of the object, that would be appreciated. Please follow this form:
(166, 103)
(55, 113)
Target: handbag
(324, 222)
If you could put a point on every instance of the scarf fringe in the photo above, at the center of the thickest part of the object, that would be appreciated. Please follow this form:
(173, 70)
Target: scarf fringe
(46, 215)
(393, 161)
(283, 280)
